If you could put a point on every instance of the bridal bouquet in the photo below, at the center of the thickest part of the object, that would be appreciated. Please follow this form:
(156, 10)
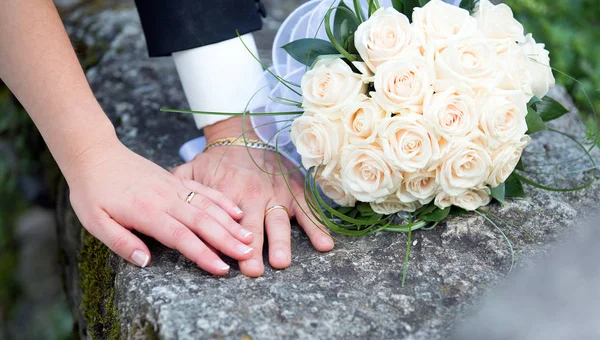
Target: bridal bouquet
(418, 110)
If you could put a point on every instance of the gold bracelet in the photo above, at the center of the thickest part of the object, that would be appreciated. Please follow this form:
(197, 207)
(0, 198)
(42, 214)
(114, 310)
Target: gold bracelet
(239, 141)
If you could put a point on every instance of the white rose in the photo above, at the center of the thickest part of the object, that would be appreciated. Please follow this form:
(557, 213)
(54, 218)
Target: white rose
(383, 37)
(421, 185)
(438, 23)
(332, 186)
(470, 200)
(538, 63)
(360, 119)
(505, 160)
(317, 139)
(503, 117)
(513, 71)
(465, 165)
(452, 113)
(470, 61)
(366, 175)
(408, 142)
(392, 205)
(498, 24)
(401, 85)
(328, 85)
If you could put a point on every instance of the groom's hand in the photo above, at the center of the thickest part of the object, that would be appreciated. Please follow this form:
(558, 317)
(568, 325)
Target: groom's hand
(232, 171)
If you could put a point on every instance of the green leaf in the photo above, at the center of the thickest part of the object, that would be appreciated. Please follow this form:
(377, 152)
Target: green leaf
(345, 22)
(534, 122)
(457, 211)
(423, 2)
(499, 193)
(469, 5)
(398, 5)
(513, 188)
(307, 50)
(365, 209)
(436, 215)
(408, 7)
(549, 109)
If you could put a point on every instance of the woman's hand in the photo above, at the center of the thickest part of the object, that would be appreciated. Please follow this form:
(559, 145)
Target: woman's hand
(233, 172)
(114, 190)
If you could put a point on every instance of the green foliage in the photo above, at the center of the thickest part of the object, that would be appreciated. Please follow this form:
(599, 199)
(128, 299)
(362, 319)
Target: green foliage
(571, 31)
(534, 122)
(549, 109)
(307, 50)
(499, 193)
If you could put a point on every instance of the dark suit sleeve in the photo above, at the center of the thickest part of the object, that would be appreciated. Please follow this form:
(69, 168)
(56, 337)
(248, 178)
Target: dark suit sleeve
(177, 25)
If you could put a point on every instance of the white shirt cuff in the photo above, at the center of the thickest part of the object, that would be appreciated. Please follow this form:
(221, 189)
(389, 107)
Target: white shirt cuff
(220, 77)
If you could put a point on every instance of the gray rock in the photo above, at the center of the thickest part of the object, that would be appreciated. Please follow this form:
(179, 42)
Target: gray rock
(352, 292)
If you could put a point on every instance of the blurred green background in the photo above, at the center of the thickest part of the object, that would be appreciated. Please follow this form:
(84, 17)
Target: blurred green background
(569, 28)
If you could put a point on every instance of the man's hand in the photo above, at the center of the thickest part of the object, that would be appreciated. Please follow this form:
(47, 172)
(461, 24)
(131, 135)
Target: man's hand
(233, 172)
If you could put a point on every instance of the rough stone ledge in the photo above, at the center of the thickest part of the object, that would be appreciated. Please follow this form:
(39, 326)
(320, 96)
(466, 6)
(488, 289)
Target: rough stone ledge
(353, 291)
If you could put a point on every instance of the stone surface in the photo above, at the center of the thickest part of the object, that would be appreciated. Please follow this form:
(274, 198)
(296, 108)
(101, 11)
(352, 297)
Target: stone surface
(352, 292)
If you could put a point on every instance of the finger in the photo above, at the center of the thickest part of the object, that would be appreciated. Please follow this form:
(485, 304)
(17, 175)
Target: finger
(205, 226)
(184, 171)
(120, 240)
(316, 232)
(277, 224)
(253, 220)
(217, 197)
(204, 203)
(173, 234)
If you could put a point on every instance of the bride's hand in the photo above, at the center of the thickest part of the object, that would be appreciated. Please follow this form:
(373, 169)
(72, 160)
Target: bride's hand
(114, 190)
(234, 173)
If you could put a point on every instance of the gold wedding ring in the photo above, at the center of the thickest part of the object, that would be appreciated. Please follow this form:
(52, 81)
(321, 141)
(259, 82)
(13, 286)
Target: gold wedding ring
(275, 207)
(189, 197)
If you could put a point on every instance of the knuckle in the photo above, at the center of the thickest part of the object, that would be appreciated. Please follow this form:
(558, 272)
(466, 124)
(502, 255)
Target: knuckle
(200, 217)
(255, 227)
(203, 203)
(118, 243)
(178, 232)
(203, 256)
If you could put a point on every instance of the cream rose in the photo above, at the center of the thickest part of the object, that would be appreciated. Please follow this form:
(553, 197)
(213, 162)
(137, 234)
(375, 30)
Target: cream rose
(421, 186)
(392, 205)
(538, 63)
(438, 23)
(408, 142)
(385, 36)
(361, 118)
(328, 85)
(513, 72)
(503, 117)
(505, 160)
(466, 164)
(401, 85)
(452, 113)
(366, 175)
(498, 24)
(332, 186)
(470, 61)
(470, 200)
(317, 139)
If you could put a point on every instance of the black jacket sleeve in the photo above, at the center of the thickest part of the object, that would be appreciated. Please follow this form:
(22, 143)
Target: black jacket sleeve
(177, 25)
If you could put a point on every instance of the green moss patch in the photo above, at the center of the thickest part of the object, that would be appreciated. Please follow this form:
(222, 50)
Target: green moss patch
(98, 286)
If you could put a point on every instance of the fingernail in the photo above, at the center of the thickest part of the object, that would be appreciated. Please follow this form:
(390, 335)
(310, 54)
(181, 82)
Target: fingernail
(237, 211)
(140, 258)
(244, 249)
(245, 233)
(280, 254)
(221, 265)
(325, 241)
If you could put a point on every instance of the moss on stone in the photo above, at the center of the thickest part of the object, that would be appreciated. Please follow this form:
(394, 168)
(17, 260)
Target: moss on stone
(143, 330)
(98, 286)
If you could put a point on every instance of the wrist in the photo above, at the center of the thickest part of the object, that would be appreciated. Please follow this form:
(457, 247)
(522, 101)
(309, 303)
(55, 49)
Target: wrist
(232, 127)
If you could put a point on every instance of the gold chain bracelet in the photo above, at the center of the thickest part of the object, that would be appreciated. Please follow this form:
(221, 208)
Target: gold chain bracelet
(250, 143)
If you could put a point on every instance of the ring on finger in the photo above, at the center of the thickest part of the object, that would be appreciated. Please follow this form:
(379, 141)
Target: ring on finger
(190, 196)
(275, 207)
